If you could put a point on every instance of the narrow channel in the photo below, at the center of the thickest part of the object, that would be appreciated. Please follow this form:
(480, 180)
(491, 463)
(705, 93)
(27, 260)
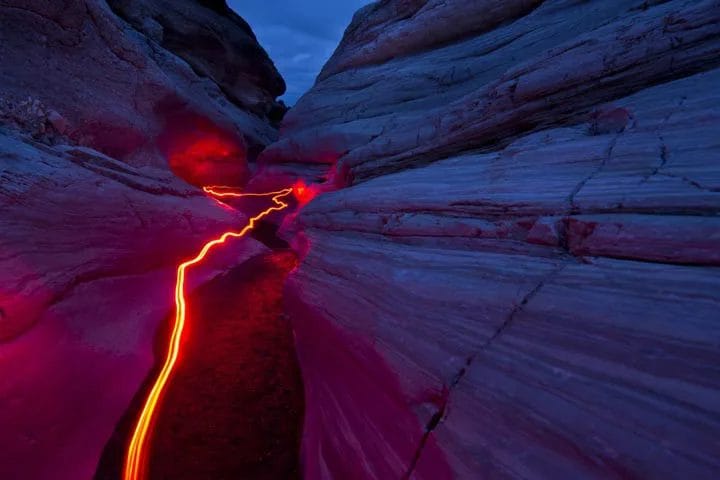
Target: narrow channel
(233, 407)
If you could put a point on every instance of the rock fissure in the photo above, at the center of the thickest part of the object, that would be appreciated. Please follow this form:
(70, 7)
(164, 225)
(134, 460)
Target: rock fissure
(441, 414)
(94, 221)
(573, 208)
(472, 174)
(529, 183)
(692, 182)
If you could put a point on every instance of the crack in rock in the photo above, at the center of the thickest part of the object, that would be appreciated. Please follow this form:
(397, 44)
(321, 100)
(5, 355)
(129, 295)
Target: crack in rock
(690, 181)
(573, 208)
(440, 415)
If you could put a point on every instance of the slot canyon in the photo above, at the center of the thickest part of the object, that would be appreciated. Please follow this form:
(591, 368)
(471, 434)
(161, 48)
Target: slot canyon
(484, 244)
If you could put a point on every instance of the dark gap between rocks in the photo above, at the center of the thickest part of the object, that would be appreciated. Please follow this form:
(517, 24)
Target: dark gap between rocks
(234, 405)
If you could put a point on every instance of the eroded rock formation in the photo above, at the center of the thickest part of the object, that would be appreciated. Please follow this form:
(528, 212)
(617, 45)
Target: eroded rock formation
(93, 221)
(123, 93)
(521, 278)
(516, 277)
(215, 42)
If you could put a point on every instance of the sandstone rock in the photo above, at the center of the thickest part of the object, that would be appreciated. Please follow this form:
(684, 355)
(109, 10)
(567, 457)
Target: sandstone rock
(523, 268)
(96, 123)
(215, 42)
(548, 68)
(545, 232)
(609, 120)
(88, 250)
(122, 92)
(30, 116)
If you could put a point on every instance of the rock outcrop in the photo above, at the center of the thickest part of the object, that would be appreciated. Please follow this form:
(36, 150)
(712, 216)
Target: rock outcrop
(215, 42)
(124, 94)
(96, 123)
(521, 277)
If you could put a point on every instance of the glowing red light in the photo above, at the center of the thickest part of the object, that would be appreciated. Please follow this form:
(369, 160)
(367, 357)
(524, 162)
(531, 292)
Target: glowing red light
(205, 156)
(136, 456)
(304, 193)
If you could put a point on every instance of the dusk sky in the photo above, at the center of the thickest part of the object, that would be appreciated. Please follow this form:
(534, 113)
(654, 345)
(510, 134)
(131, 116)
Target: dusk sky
(298, 36)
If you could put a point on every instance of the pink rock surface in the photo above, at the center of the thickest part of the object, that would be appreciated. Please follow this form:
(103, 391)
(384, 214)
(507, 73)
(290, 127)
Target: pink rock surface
(527, 248)
(88, 252)
(96, 123)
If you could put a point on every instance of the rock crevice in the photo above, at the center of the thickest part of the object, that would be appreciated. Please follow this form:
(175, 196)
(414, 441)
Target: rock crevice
(94, 215)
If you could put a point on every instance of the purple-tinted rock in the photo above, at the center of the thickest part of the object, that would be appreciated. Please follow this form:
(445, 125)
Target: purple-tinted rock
(527, 249)
(96, 123)
(544, 232)
(215, 42)
(610, 120)
(88, 251)
(125, 95)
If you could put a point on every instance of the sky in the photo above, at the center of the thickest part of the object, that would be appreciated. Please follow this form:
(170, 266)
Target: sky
(299, 36)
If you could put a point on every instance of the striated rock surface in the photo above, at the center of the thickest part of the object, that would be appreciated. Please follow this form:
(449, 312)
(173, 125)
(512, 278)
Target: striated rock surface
(133, 93)
(88, 252)
(97, 124)
(521, 278)
(215, 42)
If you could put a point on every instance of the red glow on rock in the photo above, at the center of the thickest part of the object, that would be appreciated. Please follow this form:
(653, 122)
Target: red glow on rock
(203, 152)
(21, 306)
(208, 156)
(304, 193)
(136, 459)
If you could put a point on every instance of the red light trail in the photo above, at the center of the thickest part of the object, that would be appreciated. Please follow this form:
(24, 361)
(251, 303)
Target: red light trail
(220, 191)
(137, 452)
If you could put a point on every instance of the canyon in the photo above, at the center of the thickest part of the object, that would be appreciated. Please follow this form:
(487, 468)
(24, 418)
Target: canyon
(507, 231)
(106, 135)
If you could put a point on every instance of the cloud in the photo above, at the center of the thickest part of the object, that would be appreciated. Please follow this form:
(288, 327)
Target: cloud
(298, 36)
(301, 57)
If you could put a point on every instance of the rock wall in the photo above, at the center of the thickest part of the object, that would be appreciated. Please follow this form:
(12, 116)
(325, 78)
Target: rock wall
(123, 93)
(94, 219)
(521, 278)
(215, 42)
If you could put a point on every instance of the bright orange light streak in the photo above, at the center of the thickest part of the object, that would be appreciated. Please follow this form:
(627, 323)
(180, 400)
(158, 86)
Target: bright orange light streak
(135, 459)
(216, 191)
